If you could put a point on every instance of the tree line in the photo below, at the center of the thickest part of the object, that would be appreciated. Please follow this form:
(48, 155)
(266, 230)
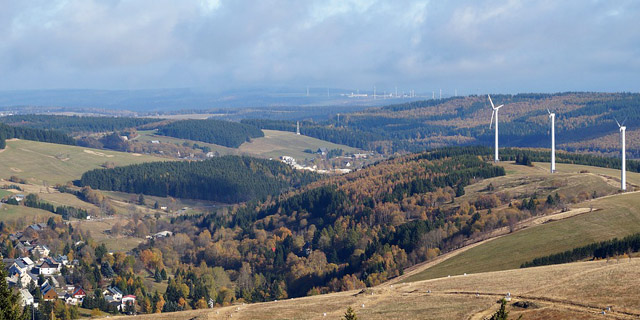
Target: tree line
(225, 133)
(52, 136)
(598, 250)
(75, 124)
(226, 179)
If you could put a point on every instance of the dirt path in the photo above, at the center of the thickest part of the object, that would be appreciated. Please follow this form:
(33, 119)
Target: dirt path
(555, 303)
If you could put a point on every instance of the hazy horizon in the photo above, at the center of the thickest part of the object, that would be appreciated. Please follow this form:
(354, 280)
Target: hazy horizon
(220, 45)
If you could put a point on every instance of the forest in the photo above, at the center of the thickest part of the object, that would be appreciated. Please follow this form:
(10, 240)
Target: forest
(225, 133)
(52, 136)
(75, 124)
(600, 250)
(429, 124)
(227, 179)
(343, 232)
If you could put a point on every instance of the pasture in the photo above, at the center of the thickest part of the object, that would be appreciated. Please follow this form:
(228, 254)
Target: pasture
(47, 163)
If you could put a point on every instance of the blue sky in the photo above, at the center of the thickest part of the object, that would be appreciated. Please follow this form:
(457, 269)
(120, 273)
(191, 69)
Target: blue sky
(471, 46)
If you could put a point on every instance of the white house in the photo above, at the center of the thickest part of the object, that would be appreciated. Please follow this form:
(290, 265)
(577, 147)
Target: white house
(41, 251)
(112, 294)
(163, 234)
(48, 268)
(26, 298)
(128, 300)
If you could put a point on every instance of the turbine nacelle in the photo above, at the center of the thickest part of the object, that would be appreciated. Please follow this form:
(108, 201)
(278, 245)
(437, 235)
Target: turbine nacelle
(495, 110)
(621, 125)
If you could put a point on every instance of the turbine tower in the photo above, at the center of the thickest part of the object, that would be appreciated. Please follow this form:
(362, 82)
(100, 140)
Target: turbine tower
(623, 175)
(495, 113)
(552, 116)
(298, 127)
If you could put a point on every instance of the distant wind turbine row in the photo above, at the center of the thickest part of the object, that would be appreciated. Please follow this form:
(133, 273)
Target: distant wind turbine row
(552, 118)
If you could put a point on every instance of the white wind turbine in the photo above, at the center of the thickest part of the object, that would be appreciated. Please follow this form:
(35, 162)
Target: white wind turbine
(552, 116)
(495, 113)
(623, 175)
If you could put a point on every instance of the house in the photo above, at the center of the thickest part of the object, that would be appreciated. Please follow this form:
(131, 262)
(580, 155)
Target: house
(128, 301)
(37, 227)
(26, 298)
(40, 251)
(155, 141)
(61, 259)
(49, 267)
(18, 267)
(49, 293)
(24, 247)
(21, 279)
(163, 234)
(70, 300)
(19, 197)
(112, 294)
(79, 293)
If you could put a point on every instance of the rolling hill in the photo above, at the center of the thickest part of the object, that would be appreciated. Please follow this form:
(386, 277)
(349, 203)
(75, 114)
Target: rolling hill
(57, 163)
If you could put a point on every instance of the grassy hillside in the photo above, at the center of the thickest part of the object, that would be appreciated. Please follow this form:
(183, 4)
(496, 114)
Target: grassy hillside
(613, 216)
(56, 163)
(23, 215)
(570, 291)
(274, 144)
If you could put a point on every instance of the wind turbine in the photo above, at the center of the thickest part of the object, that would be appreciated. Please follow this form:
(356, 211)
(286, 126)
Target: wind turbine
(623, 175)
(495, 113)
(552, 116)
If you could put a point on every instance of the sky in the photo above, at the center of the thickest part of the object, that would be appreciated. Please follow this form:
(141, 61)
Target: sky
(469, 46)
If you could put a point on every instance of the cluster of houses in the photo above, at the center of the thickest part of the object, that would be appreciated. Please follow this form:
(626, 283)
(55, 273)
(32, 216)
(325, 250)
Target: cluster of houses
(35, 266)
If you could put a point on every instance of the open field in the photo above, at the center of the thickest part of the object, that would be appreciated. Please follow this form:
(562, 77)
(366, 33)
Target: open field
(23, 215)
(614, 216)
(568, 181)
(97, 228)
(283, 143)
(568, 291)
(149, 135)
(56, 163)
(274, 144)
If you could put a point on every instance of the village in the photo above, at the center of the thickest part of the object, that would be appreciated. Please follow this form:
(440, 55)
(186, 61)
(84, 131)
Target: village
(40, 275)
(36, 269)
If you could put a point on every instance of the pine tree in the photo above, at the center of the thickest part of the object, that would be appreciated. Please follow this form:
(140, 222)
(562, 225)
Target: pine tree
(157, 276)
(501, 314)
(9, 301)
(350, 314)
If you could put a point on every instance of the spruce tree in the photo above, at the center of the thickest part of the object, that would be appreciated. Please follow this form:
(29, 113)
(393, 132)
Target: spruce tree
(350, 314)
(9, 301)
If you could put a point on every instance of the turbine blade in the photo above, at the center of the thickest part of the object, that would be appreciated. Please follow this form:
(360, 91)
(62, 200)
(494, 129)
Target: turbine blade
(500, 106)
(492, 114)
(549, 111)
(492, 106)
(617, 122)
(625, 120)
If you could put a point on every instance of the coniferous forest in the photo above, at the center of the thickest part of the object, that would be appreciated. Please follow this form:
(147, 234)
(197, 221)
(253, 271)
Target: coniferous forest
(599, 250)
(52, 136)
(225, 133)
(226, 179)
(71, 124)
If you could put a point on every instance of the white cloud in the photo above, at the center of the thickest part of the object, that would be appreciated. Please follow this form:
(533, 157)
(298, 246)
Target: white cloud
(495, 45)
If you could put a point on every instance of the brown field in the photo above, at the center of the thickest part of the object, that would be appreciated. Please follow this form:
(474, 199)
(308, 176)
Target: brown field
(569, 291)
